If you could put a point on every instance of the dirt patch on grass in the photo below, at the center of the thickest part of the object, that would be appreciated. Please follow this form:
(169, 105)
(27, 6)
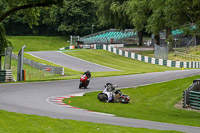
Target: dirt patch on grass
(179, 105)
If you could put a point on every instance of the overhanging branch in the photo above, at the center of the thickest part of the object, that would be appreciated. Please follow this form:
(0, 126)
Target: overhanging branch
(15, 9)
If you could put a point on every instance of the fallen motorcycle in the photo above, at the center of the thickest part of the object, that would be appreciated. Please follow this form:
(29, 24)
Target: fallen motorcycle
(109, 94)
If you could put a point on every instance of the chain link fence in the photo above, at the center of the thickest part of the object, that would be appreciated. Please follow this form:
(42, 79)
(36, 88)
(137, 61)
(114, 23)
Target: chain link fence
(40, 66)
(161, 52)
(8, 56)
(34, 74)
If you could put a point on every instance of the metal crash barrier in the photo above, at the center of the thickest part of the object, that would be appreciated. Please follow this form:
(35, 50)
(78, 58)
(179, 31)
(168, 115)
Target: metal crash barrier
(5, 76)
(191, 96)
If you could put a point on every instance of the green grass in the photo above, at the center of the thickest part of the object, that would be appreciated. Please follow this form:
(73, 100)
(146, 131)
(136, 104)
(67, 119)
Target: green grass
(68, 72)
(42, 43)
(32, 73)
(124, 64)
(21, 123)
(146, 53)
(154, 102)
(190, 50)
(38, 43)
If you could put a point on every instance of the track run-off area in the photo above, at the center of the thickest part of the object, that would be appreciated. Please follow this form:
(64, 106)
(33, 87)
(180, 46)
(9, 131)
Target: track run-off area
(36, 98)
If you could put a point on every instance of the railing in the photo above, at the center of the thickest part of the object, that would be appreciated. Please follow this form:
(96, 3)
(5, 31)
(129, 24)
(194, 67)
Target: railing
(55, 70)
(194, 99)
(185, 56)
(191, 96)
(5, 75)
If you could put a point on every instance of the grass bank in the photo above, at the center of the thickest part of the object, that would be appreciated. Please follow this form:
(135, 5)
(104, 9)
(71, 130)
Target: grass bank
(68, 72)
(21, 123)
(154, 102)
(171, 55)
(38, 43)
(123, 64)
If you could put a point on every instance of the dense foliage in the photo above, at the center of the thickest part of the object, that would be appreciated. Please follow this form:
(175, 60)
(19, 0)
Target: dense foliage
(29, 8)
(76, 17)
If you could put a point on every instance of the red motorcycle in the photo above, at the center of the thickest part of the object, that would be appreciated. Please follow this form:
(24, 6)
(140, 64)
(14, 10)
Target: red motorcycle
(84, 81)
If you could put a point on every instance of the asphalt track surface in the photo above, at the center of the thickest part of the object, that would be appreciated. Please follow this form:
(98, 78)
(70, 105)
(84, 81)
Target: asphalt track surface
(69, 61)
(33, 98)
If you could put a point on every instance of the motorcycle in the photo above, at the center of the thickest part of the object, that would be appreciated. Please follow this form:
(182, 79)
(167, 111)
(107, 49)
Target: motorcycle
(84, 81)
(109, 94)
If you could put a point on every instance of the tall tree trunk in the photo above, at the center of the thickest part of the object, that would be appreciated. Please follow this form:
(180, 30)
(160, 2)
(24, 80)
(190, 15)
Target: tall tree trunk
(0, 62)
(168, 32)
(140, 35)
(157, 37)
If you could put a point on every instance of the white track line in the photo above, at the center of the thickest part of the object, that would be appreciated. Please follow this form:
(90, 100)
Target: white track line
(57, 100)
(89, 62)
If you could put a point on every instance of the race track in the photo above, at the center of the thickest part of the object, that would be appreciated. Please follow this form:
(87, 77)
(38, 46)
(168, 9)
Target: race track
(69, 61)
(34, 98)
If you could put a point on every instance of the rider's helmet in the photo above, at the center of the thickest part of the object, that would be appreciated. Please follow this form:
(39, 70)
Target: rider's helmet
(110, 87)
(88, 71)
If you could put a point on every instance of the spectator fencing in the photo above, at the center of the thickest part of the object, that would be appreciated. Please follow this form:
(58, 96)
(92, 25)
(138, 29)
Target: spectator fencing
(40, 66)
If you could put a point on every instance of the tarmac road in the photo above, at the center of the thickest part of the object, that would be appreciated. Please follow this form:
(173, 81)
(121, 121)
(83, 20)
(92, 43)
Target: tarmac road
(69, 61)
(32, 98)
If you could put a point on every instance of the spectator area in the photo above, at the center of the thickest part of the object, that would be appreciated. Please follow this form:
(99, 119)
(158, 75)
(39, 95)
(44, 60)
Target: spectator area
(110, 36)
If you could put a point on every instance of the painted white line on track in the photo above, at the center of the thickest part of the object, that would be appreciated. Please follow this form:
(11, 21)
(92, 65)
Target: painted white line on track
(57, 100)
(72, 57)
(89, 62)
(47, 60)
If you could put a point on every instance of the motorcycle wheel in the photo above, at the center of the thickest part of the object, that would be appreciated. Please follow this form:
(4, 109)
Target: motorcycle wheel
(102, 97)
(124, 99)
(80, 85)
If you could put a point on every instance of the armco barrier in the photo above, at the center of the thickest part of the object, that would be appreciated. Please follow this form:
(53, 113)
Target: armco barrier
(191, 96)
(194, 100)
(55, 70)
(5, 76)
(169, 63)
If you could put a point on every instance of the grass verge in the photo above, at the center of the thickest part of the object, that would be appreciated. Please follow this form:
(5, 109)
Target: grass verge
(155, 102)
(124, 64)
(38, 43)
(68, 72)
(32, 73)
(21, 123)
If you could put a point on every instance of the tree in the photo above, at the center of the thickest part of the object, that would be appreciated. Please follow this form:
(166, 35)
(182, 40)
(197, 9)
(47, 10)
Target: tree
(139, 12)
(113, 13)
(75, 17)
(30, 9)
(155, 16)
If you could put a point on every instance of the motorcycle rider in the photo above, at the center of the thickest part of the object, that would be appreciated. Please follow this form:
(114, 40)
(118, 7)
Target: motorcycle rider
(109, 88)
(88, 74)
(85, 79)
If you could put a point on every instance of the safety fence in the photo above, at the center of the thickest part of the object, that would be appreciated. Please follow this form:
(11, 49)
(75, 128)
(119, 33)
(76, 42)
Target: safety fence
(5, 76)
(169, 63)
(191, 96)
(40, 66)
(194, 99)
(35, 74)
(185, 56)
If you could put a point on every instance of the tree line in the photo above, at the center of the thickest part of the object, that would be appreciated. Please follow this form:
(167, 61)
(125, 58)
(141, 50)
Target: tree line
(76, 17)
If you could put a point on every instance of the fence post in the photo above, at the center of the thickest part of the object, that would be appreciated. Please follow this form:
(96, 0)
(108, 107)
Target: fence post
(184, 99)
